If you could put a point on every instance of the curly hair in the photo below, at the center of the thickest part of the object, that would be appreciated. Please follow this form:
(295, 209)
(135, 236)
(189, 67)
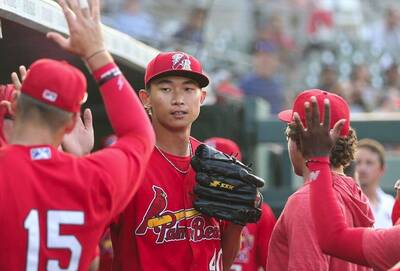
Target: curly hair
(342, 153)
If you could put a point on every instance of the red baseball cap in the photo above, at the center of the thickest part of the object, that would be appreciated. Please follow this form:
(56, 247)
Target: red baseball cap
(339, 108)
(175, 64)
(225, 145)
(55, 83)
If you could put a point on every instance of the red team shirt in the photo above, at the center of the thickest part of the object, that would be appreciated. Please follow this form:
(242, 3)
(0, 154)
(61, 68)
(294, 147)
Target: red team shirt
(294, 244)
(55, 206)
(254, 244)
(160, 229)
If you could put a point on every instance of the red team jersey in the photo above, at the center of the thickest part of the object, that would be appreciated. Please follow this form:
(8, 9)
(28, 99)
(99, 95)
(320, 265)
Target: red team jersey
(294, 244)
(55, 206)
(160, 229)
(254, 244)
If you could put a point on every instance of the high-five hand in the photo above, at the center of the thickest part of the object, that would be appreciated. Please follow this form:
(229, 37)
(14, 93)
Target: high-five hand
(317, 139)
(84, 26)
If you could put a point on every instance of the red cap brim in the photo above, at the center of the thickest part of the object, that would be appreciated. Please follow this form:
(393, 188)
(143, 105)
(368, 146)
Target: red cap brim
(286, 116)
(201, 79)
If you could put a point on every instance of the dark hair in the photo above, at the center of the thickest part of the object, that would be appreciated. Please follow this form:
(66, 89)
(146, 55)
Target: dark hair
(51, 116)
(342, 153)
(373, 146)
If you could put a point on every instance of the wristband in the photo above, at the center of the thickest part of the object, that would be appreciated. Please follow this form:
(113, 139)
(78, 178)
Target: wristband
(318, 160)
(109, 75)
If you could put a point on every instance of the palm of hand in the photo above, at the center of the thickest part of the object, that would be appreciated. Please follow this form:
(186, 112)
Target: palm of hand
(81, 139)
(317, 139)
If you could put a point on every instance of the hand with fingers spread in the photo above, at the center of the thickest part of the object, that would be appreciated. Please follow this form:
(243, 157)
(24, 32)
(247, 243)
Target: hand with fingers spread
(86, 37)
(81, 139)
(317, 139)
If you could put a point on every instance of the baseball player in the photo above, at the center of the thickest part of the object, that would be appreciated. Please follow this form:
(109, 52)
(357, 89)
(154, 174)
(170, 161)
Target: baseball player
(377, 248)
(294, 244)
(55, 205)
(160, 229)
(255, 237)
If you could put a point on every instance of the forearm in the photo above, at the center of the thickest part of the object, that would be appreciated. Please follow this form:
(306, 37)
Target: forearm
(230, 243)
(123, 107)
(334, 236)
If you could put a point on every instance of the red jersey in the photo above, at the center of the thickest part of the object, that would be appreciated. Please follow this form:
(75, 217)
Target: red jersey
(254, 244)
(294, 244)
(55, 206)
(160, 229)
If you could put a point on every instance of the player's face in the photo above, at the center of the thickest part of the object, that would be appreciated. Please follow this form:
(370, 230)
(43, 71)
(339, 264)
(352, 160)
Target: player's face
(175, 102)
(296, 158)
(368, 167)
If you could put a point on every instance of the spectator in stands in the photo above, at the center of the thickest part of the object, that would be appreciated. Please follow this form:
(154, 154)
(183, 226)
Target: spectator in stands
(391, 89)
(263, 81)
(385, 34)
(359, 92)
(273, 31)
(329, 81)
(134, 21)
(226, 91)
(370, 167)
(192, 31)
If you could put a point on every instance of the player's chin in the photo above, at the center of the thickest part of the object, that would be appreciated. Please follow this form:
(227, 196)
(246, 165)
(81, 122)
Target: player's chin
(179, 124)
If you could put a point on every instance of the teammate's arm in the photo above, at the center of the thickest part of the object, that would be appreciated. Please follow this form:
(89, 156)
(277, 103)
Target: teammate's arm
(122, 165)
(364, 246)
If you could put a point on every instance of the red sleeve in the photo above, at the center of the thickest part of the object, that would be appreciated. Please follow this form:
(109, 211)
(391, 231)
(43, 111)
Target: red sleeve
(123, 164)
(264, 231)
(396, 213)
(381, 247)
(334, 237)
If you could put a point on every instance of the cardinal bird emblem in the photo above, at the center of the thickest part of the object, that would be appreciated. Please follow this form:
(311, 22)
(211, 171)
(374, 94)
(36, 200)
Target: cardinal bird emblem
(156, 207)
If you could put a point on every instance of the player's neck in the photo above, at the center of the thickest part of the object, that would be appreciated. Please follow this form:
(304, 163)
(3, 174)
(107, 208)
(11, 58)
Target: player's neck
(29, 134)
(173, 142)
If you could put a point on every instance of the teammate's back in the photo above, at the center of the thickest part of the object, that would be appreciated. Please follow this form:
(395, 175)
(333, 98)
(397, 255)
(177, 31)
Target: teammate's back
(55, 206)
(53, 197)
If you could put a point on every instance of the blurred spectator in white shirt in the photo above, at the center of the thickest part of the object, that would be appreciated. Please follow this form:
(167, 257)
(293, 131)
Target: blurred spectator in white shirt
(370, 168)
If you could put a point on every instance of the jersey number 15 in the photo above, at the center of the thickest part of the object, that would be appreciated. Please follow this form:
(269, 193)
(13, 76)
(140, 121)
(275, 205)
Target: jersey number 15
(54, 240)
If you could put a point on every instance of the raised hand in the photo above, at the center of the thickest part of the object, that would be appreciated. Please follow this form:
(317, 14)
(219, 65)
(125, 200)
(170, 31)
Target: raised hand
(317, 139)
(397, 189)
(17, 80)
(81, 139)
(86, 37)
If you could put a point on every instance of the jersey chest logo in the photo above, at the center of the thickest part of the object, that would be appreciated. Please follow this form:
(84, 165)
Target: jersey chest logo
(166, 224)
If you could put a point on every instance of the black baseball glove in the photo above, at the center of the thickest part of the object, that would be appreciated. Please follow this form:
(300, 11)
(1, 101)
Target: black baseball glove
(225, 189)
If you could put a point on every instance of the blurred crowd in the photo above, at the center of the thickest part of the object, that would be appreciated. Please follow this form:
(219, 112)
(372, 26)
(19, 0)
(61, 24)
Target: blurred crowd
(275, 49)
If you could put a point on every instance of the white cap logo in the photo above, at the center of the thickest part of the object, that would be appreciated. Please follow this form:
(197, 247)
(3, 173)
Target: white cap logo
(181, 61)
(49, 95)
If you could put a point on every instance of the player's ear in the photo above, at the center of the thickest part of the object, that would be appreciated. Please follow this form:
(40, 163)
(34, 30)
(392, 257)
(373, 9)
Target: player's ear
(70, 125)
(144, 96)
(203, 96)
